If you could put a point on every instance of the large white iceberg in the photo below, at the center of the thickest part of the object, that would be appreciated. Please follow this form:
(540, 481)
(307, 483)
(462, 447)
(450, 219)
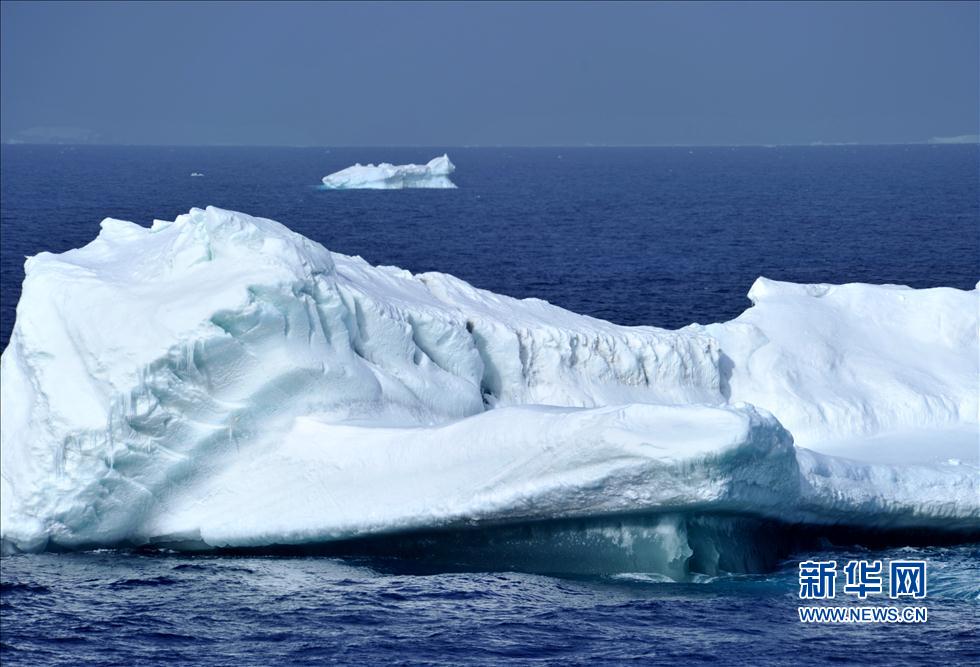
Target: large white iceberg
(434, 174)
(224, 381)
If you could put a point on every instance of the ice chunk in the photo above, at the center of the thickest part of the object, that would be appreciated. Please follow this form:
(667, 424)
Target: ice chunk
(434, 174)
(222, 379)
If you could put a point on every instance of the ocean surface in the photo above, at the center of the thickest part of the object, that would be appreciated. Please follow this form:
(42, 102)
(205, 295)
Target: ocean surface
(664, 236)
(109, 608)
(661, 236)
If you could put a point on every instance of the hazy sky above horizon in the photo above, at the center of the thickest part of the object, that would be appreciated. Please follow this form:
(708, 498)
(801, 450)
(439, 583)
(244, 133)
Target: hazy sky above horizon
(490, 74)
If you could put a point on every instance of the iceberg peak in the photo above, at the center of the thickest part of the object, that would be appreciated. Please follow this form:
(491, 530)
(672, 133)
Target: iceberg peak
(441, 166)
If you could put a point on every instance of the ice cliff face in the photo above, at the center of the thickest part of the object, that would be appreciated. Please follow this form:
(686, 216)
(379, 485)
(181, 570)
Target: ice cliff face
(222, 379)
(434, 174)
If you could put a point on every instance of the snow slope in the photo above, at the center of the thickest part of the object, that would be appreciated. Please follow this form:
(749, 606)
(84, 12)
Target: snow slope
(434, 174)
(833, 361)
(219, 378)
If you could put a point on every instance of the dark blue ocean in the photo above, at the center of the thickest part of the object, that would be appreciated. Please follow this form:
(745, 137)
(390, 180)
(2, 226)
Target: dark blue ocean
(663, 236)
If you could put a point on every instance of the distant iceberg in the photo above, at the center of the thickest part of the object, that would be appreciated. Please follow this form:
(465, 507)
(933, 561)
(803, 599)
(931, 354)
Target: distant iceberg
(221, 381)
(959, 139)
(434, 174)
(196, 173)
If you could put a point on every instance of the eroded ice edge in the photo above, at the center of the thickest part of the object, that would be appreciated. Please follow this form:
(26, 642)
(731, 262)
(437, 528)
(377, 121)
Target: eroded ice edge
(434, 174)
(220, 381)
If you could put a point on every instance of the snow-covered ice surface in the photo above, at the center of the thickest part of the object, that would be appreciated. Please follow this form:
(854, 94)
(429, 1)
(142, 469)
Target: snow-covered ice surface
(223, 381)
(434, 174)
(836, 361)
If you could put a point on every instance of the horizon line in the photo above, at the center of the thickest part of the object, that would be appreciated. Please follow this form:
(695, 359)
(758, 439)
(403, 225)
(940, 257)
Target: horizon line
(813, 144)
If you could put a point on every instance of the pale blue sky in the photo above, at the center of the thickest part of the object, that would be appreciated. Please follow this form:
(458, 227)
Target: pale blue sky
(491, 74)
